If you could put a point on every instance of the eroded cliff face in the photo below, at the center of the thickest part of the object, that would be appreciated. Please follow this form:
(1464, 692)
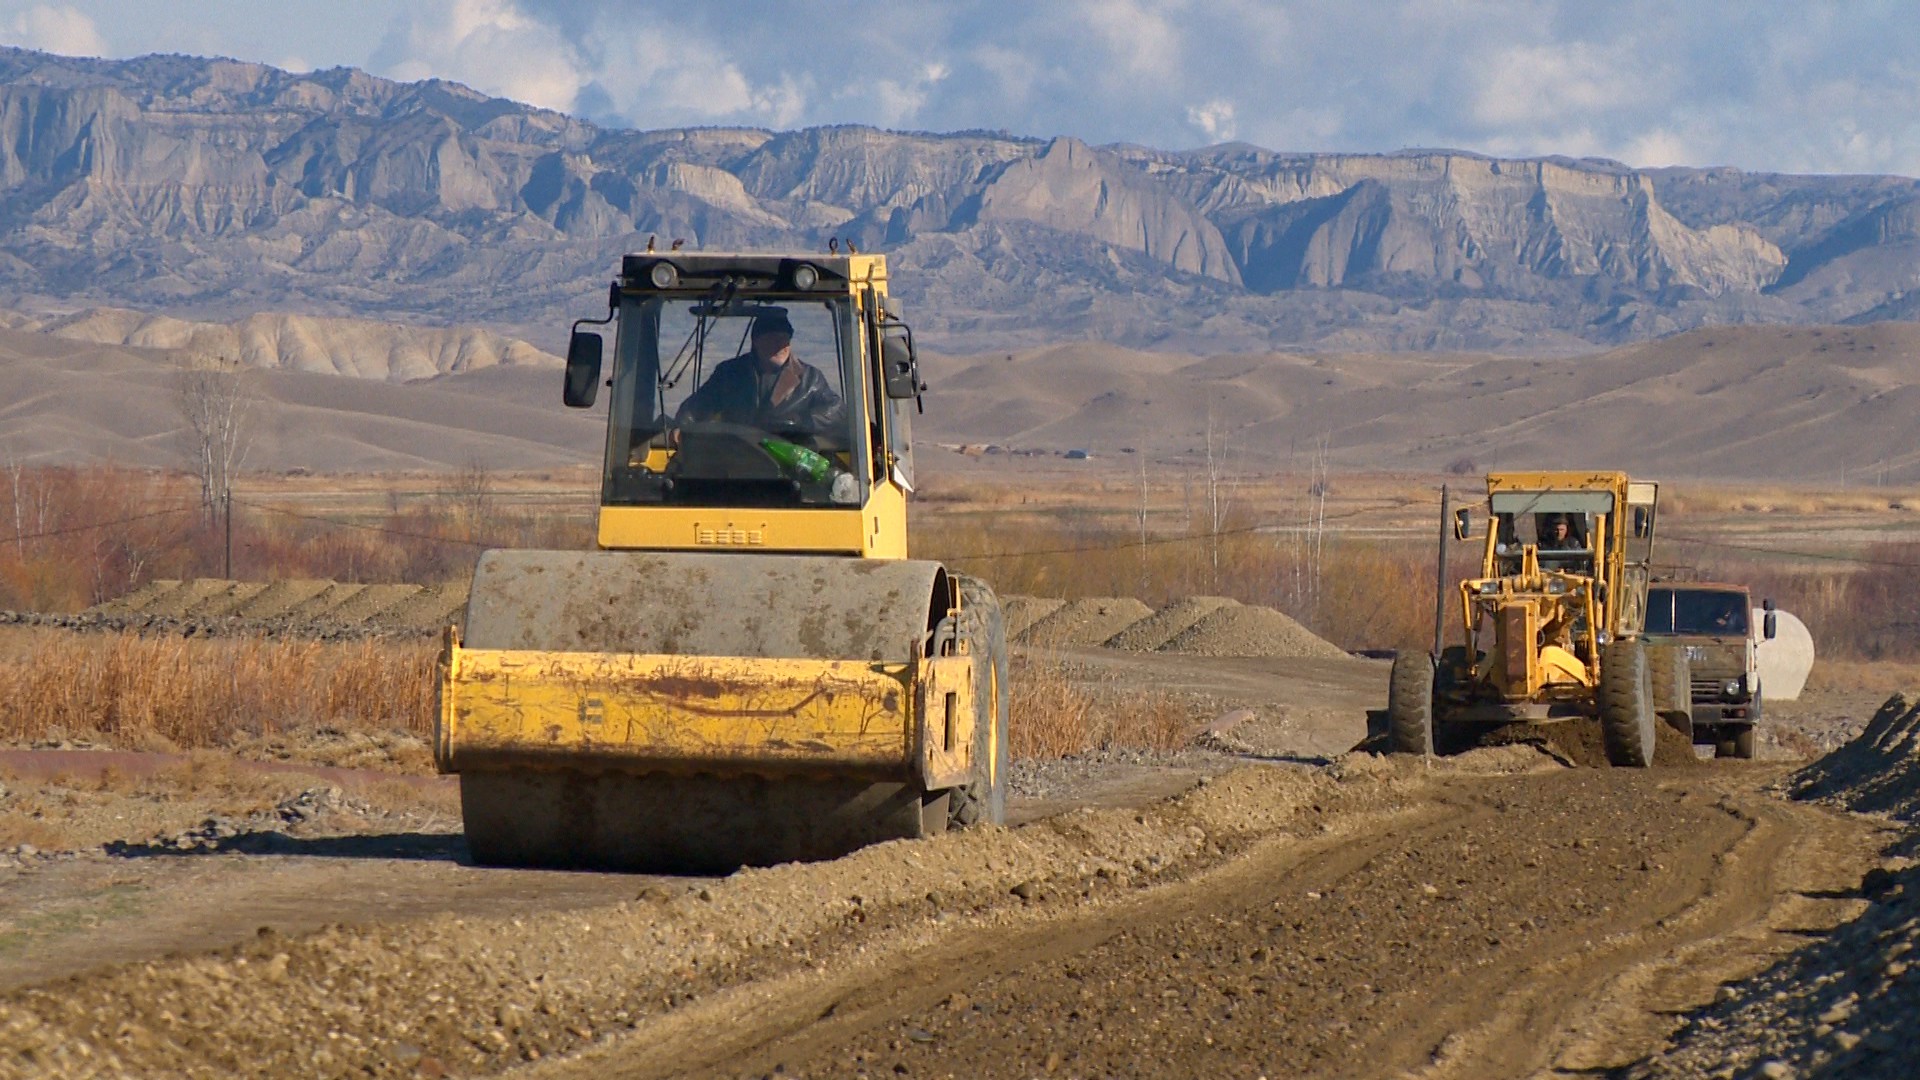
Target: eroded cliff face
(223, 188)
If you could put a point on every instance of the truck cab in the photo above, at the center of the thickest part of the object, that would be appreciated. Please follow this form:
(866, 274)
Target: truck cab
(1713, 622)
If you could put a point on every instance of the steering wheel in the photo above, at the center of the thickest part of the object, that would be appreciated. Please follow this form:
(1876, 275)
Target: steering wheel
(718, 450)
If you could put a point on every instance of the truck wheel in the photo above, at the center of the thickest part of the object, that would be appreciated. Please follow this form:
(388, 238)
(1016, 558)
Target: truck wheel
(984, 800)
(1738, 744)
(1672, 686)
(1410, 704)
(1626, 704)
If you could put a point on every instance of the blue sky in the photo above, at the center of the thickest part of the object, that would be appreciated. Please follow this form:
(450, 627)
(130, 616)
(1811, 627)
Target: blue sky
(1764, 84)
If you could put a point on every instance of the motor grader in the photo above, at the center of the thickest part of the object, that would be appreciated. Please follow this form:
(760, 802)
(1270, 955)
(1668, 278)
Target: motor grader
(748, 670)
(1554, 623)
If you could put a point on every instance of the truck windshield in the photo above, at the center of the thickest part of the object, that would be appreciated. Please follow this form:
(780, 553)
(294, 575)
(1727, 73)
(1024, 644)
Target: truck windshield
(1715, 612)
(722, 401)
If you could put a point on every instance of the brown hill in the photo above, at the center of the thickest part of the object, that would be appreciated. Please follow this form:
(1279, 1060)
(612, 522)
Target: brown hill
(1800, 403)
(68, 401)
(328, 346)
(1779, 403)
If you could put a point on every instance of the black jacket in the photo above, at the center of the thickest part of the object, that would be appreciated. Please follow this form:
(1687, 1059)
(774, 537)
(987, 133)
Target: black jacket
(798, 399)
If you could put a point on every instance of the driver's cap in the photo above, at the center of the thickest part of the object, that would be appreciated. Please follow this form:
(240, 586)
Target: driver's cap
(773, 322)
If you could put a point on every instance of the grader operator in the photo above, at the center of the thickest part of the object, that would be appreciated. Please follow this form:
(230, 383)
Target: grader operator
(749, 670)
(1553, 624)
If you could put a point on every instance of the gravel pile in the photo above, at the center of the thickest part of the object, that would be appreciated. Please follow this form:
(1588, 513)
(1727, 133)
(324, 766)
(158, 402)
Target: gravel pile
(184, 597)
(1024, 611)
(211, 607)
(281, 598)
(1085, 622)
(1168, 623)
(150, 625)
(1251, 631)
(431, 608)
(1843, 1005)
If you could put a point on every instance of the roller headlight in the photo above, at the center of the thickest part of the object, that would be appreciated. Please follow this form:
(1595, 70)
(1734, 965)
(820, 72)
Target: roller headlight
(1488, 588)
(1556, 586)
(805, 276)
(1603, 637)
(664, 275)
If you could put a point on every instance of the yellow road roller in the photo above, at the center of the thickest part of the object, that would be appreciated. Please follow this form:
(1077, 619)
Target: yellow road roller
(749, 669)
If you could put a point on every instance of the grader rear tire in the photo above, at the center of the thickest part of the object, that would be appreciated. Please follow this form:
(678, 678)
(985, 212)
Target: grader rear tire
(1626, 705)
(1410, 705)
(984, 801)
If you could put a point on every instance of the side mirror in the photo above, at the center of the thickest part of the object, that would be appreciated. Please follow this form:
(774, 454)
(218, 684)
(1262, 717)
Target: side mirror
(1770, 623)
(900, 368)
(1462, 524)
(583, 369)
(1642, 521)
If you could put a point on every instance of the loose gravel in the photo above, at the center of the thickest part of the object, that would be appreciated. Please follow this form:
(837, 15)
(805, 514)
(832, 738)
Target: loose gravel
(1251, 631)
(1168, 623)
(1085, 622)
(1843, 1005)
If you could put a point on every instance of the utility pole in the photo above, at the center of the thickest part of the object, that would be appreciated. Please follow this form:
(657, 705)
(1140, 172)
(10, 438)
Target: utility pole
(1440, 578)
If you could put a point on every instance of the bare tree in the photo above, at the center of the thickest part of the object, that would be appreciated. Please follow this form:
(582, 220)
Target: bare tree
(471, 490)
(213, 401)
(1220, 491)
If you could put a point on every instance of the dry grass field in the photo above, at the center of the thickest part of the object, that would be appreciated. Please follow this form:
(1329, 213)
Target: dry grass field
(1351, 556)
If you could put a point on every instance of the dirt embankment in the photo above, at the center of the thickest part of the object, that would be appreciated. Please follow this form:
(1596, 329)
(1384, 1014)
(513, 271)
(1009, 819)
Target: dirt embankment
(1845, 1004)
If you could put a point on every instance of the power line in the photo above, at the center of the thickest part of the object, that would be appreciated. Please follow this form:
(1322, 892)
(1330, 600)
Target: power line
(362, 526)
(1818, 556)
(1130, 545)
(23, 537)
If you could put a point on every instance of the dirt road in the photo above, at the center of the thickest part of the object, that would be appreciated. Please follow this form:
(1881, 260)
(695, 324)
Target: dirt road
(1278, 910)
(1498, 914)
(1494, 925)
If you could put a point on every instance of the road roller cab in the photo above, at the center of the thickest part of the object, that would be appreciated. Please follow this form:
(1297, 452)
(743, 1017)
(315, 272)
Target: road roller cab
(749, 670)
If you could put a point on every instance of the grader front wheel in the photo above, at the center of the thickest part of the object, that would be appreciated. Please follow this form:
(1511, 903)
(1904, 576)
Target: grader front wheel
(1410, 704)
(1626, 704)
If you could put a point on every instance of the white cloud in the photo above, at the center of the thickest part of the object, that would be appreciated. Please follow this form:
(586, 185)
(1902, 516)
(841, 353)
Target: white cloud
(1656, 148)
(1800, 87)
(491, 45)
(56, 29)
(1534, 86)
(1215, 118)
(1138, 38)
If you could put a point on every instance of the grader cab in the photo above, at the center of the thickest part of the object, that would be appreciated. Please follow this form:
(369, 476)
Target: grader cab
(1554, 623)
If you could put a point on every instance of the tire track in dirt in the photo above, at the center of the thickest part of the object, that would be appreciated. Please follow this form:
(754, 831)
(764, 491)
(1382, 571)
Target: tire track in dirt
(811, 1013)
(1509, 925)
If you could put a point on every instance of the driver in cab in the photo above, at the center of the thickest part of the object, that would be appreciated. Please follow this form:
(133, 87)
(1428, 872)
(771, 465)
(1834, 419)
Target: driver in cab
(767, 387)
(1558, 536)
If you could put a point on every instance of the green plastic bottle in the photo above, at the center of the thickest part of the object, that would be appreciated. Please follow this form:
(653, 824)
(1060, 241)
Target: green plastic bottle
(800, 462)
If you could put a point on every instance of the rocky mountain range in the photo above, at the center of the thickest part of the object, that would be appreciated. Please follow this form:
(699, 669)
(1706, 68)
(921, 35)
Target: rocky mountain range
(214, 189)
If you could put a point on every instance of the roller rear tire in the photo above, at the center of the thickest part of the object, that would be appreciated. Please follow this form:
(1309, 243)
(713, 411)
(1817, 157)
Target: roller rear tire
(984, 800)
